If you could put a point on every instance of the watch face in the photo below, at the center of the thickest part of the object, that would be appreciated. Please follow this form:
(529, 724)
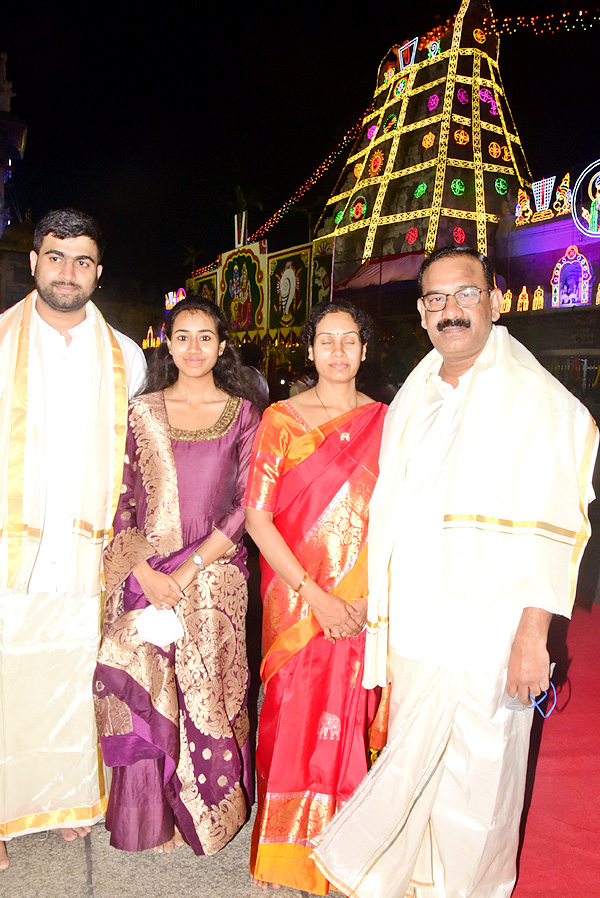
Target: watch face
(198, 560)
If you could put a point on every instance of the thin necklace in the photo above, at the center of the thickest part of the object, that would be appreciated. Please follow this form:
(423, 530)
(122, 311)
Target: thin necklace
(343, 434)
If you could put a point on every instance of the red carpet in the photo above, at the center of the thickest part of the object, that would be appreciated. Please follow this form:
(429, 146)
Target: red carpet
(560, 857)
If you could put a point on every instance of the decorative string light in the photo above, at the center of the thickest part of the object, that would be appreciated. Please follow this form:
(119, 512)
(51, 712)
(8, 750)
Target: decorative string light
(325, 165)
(550, 23)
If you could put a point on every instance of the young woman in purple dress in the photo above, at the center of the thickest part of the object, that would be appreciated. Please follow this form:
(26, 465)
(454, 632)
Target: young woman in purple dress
(173, 719)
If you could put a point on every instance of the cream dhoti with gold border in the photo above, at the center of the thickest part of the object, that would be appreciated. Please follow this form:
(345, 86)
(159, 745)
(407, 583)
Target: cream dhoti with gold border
(62, 434)
(480, 511)
(51, 771)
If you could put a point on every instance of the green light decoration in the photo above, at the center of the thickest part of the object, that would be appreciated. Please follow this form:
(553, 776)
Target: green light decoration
(339, 215)
(501, 186)
(390, 123)
(450, 156)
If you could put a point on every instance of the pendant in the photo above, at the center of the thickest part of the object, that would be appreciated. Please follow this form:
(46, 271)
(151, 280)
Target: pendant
(344, 436)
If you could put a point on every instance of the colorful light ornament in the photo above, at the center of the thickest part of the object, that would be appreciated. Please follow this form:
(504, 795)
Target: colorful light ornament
(459, 235)
(501, 186)
(585, 210)
(433, 49)
(358, 170)
(494, 150)
(428, 140)
(479, 36)
(564, 194)
(400, 87)
(411, 236)
(420, 190)
(372, 132)
(173, 297)
(358, 208)
(461, 137)
(376, 163)
(390, 123)
(506, 302)
(571, 279)
(457, 187)
(389, 73)
(538, 298)
(339, 216)
(485, 95)
(462, 96)
(523, 300)
(433, 102)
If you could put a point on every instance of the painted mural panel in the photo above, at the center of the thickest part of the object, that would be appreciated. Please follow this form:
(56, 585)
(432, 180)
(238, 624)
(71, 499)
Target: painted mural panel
(289, 287)
(242, 283)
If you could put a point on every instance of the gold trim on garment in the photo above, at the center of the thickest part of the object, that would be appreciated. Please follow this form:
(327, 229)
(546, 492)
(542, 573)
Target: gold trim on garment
(226, 421)
(508, 524)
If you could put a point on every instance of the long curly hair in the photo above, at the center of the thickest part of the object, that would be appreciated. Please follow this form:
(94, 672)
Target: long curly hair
(229, 374)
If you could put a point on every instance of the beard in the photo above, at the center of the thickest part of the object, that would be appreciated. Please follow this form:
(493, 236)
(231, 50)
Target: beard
(58, 301)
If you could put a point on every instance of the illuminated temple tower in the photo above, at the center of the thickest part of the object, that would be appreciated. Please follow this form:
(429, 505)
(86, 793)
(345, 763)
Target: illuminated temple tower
(439, 159)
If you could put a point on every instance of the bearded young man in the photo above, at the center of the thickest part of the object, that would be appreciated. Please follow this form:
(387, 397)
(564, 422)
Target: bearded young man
(66, 375)
(477, 527)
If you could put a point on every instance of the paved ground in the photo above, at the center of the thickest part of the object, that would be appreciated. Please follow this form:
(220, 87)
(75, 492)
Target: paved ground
(45, 866)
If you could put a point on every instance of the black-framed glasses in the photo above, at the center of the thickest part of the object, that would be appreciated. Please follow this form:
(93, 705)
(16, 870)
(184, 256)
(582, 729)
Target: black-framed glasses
(464, 299)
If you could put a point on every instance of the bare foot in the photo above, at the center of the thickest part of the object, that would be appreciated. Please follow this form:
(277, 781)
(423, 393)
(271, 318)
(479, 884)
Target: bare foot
(4, 861)
(168, 847)
(265, 885)
(70, 834)
(178, 839)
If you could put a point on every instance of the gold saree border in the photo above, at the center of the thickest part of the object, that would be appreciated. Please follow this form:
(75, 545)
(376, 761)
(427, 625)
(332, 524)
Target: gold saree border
(16, 446)
(54, 819)
(120, 421)
(508, 524)
(150, 425)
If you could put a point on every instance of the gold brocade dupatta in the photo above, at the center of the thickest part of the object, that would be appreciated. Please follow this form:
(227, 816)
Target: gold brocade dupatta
(22, 428)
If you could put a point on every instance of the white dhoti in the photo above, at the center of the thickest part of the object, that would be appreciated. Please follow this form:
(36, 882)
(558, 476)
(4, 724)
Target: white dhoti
(51, 772)
(444, 796)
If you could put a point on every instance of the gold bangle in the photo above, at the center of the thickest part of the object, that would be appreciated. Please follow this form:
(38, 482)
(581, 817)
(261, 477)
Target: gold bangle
(302, 582)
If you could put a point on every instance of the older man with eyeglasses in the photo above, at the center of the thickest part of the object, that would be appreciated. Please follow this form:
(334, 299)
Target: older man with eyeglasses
(477, 527)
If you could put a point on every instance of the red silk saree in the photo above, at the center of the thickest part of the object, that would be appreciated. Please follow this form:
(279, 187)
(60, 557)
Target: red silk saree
(312, 745)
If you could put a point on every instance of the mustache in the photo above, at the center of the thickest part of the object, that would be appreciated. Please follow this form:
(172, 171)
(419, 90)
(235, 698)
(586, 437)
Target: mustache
(453, 322)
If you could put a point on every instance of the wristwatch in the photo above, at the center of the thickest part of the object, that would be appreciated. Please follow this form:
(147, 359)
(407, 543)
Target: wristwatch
(197, 559)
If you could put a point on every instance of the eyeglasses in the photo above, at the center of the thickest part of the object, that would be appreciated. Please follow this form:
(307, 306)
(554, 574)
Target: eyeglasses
(464, 299)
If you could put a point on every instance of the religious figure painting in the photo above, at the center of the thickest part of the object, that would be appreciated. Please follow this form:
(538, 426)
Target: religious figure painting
(242, 288)
(289, 287)
(322, 265)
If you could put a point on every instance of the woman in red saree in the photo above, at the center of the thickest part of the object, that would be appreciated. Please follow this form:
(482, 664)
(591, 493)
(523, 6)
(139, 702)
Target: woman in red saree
(313, 469)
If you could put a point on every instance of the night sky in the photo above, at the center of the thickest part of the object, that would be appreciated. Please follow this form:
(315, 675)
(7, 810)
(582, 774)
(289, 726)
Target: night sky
(149, 119)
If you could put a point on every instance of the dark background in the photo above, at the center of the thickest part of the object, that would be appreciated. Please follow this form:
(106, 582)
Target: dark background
(148, 117)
